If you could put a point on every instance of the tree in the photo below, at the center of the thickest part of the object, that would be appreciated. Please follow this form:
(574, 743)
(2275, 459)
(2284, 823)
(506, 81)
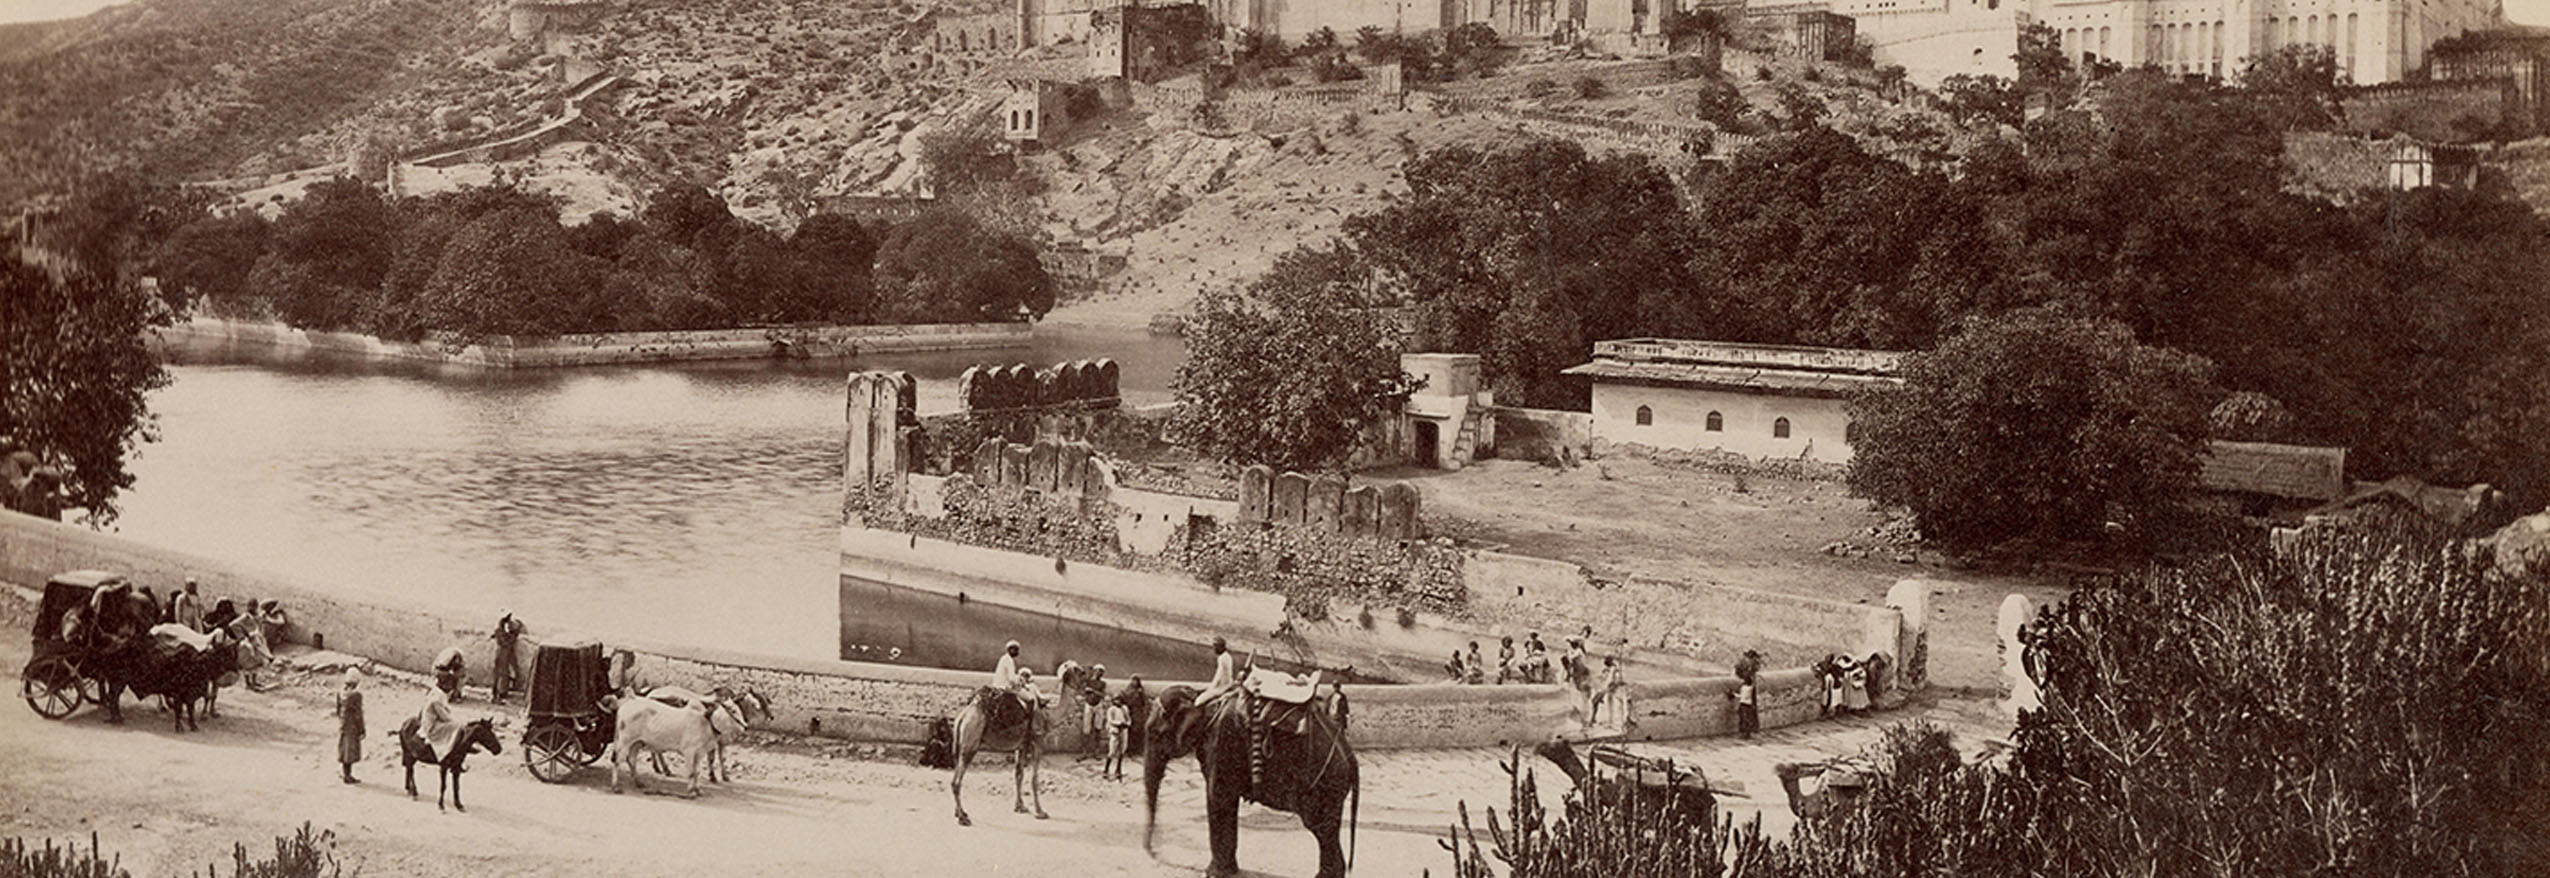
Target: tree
(691, 215)
(210, 258)
(1539, 227)
(2300, 84)
(839, 258)
(2043, 68)
(75, 356)
(509, 272)
(331, 250)
(1985, 98)
(946, 266)
(2249, 416)
(2034, 425)
(1244, 395)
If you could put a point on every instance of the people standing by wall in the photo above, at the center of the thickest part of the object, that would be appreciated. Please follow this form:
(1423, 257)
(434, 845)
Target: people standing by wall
(508, 635)
(1453, 672)
(1505, 660)
(349, 725)
(1748, 717)
(1611, 695)
(1119, 727)
(1474, 667)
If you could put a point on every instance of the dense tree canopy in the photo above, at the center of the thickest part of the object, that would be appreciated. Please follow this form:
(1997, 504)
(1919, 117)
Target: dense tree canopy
(2409, 328)
(2033, 424)
(1526, 255)
(76, 361)
(944, 266)
(496, 260)
(1245, 396)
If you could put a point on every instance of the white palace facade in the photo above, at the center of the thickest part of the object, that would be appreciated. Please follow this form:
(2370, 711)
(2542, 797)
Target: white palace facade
(2374, 40)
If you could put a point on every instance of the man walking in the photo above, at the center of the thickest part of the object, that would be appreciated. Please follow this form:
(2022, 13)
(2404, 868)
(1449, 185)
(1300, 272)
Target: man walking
(1119, 727)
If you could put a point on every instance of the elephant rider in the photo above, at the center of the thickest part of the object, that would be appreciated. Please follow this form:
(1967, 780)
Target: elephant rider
(1225, 676)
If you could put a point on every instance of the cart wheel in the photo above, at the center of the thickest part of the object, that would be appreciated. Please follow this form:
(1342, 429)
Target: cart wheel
(551, 753)
(594, 755)
(50, 686)
(92, 689)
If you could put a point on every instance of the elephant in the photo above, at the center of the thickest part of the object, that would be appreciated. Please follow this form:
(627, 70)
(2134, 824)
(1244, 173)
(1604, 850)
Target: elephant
(1318, 761)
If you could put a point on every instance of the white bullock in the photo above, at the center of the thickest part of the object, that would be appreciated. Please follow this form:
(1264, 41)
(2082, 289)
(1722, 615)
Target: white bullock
(729, 713)
(655, 725)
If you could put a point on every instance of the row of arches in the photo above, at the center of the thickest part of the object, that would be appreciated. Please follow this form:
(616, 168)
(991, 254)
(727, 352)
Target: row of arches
(1716, 423)
(2202, 46)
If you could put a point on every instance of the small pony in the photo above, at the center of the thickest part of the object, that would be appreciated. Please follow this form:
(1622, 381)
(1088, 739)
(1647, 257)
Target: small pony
(475, 735)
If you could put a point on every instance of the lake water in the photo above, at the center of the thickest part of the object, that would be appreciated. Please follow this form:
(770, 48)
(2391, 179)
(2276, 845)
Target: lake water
(695, 503)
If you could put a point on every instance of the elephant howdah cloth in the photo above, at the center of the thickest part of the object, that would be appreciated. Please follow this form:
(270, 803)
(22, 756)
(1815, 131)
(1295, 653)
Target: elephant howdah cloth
(1280, 757)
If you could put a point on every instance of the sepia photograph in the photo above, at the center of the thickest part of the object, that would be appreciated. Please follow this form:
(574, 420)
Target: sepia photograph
(1301, 438)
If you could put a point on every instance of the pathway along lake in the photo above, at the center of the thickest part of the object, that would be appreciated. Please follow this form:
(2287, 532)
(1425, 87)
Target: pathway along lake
(689, 503)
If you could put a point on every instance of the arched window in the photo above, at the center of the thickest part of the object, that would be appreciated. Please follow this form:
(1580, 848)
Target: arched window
(1646, 416)
(1716, 423)
(1779, 428)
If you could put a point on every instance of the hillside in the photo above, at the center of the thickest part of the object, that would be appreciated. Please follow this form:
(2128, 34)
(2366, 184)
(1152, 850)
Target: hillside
(779, 105)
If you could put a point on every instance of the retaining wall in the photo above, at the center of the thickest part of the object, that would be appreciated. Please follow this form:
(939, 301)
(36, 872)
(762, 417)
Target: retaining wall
(855, 700)
(1538, 434)
(600, 348)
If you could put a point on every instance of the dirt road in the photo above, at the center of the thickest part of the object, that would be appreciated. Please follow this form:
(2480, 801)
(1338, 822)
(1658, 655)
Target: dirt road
(171, 803)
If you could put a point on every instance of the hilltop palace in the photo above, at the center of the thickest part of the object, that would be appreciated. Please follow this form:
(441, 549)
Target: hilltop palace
(2375, 41)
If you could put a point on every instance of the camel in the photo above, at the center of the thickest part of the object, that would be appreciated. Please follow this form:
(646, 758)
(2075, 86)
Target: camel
(974, 728)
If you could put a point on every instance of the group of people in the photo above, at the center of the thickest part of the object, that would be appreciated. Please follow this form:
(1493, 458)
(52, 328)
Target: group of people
(1112, 718)
(1599, 691)
(435, 723)
(254, 625)
(451, 667)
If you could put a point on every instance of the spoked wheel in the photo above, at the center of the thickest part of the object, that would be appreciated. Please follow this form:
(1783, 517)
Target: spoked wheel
(92, 689)
(551, 753)
(51, 686)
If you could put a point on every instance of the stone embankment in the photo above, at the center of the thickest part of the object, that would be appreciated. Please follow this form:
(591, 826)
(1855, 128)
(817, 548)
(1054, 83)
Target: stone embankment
(602, 348)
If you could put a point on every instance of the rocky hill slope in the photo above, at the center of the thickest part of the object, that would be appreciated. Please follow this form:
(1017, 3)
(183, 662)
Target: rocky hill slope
(779, 105)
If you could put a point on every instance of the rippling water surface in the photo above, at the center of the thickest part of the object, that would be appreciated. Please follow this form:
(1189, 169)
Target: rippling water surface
(693, 503)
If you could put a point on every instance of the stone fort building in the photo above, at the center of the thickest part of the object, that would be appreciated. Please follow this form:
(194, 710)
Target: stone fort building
(2375, 41)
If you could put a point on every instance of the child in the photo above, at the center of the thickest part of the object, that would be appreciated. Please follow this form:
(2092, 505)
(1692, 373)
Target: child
(349, 725)
(1119, 727)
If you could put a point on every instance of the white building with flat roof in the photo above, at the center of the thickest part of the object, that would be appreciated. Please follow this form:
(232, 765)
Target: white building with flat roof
(2374, 40)
(1761, 401)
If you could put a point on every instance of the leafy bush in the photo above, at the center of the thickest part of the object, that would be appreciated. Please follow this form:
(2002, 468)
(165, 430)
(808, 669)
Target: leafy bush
(2360, 703)
(1592, 88)
(1540, 88)
(305, 854)
(17, 860)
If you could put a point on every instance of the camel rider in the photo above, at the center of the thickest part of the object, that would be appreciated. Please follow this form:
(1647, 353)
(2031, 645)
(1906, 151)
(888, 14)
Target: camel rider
(1025, 686)
(1225, 676)
(1005, 672)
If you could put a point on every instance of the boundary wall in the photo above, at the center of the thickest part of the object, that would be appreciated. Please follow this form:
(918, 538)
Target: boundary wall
(603, 348)
(859, 700)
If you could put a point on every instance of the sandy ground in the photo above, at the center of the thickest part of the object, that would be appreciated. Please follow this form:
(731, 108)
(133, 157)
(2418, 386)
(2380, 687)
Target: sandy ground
(1626, 515)
(171, 803)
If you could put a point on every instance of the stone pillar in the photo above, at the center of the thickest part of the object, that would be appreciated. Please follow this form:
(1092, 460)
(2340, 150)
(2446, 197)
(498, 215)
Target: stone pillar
(1257, 487)
(1292, 492)
(1044, 462)
(987, 462)
(1398, 518)
(1321, 508)
(2018, 691)
(1911, 599)
(1362, 511)
(1071, 470)
(1014, 465)
(872, 447)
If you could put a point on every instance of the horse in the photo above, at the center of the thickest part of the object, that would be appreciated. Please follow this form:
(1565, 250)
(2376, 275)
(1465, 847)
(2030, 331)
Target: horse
(474, 735)
(972, 729)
